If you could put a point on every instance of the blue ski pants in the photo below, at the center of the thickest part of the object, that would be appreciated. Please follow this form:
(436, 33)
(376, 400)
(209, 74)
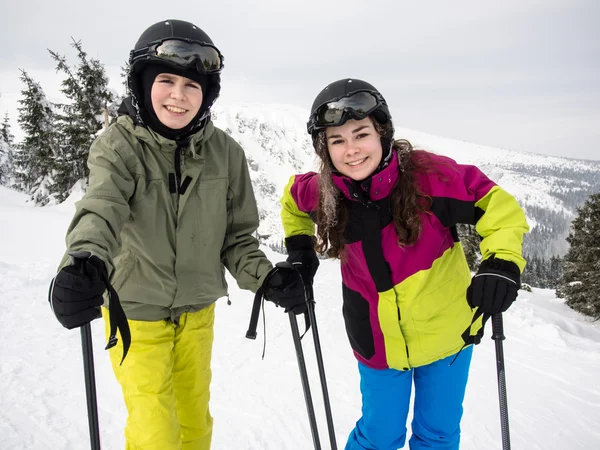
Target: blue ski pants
(439, 394)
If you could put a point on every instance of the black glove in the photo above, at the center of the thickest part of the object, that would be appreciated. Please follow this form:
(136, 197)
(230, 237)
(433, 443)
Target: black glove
(495, 286)
(284, 287)
(302, 255)
(76, 291)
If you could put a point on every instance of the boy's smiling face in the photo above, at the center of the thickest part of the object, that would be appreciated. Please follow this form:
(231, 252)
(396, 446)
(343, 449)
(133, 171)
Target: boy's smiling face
(176, 100)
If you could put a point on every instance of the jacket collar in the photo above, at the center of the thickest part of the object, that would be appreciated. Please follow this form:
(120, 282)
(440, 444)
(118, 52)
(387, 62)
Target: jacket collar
(376, 187)
(158, 142)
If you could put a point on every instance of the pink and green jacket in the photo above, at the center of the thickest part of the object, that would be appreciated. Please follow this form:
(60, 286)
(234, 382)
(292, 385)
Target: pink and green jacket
(406, 306)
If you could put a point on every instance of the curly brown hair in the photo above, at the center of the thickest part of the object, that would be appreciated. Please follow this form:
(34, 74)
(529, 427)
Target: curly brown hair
(406, 201)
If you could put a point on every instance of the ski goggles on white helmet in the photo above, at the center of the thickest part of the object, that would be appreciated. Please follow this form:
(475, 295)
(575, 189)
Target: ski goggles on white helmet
(205, 58)
(337, 112)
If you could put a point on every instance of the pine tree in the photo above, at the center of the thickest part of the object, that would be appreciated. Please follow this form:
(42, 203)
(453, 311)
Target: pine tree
(6, 150)
(470, 241)
(5, 132)
(125, 76)
(556, 271)
(529, 275)
(580, 283)
(33, 159)
(86, 87)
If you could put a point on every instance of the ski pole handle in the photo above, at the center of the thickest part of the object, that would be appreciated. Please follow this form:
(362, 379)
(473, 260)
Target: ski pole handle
(251, 333)
(497, 327)
(78, 260)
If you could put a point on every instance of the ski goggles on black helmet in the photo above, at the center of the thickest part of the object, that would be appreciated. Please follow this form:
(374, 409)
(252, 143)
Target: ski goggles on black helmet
(357, 105)
(205, 58)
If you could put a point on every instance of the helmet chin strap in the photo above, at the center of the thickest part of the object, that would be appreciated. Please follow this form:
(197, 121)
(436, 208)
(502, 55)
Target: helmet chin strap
(385, 159)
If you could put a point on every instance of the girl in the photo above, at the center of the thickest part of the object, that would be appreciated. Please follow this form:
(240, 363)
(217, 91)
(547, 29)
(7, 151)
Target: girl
(169, 206)
(389, 213)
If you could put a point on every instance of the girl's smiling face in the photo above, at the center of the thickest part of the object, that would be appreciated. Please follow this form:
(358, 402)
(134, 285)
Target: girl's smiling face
(355, 148)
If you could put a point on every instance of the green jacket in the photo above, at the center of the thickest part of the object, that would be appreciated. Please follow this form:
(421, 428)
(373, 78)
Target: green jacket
(166, 252)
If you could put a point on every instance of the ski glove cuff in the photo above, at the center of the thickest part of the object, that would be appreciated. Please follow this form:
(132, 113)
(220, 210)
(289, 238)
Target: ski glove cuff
(284, 287)
(302, 255)
(76, 291)
(495, 286)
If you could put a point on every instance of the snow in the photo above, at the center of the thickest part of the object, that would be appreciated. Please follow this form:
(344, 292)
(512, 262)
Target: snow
(552, 363)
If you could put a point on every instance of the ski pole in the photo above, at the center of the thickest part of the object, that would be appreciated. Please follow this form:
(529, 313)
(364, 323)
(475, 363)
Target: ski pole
(251, 334)
(304, 377)
(311, 314)
(498, 337)
(78, 259)
(90, 385)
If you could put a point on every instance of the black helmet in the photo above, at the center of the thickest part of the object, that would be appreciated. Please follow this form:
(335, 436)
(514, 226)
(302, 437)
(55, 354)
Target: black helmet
(176, 29)
(185, 49)
(346, 99)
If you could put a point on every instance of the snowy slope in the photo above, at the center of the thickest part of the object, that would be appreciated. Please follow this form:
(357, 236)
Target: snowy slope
(552, 364)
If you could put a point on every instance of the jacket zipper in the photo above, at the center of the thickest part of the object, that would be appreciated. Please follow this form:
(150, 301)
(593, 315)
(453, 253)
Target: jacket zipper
(179, 164)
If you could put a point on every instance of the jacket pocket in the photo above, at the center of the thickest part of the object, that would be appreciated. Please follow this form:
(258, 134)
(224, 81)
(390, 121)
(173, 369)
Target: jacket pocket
(356, 312)
(211, 208)
(434, 300)
(441, 314)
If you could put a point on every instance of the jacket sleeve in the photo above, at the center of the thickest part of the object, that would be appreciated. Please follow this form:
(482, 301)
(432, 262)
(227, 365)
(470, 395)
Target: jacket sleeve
(501, 226)
(299, 201)
(101, 213)
(240, 253)
(468, 196)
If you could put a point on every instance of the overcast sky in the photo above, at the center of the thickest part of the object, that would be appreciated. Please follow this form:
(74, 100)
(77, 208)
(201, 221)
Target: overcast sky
(517, 74)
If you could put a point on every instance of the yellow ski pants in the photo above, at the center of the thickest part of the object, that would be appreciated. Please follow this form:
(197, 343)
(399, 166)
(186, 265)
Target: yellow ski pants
(165, 380)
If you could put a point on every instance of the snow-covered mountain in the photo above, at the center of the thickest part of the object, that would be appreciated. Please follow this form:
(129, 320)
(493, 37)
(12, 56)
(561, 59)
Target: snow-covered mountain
(277, 146)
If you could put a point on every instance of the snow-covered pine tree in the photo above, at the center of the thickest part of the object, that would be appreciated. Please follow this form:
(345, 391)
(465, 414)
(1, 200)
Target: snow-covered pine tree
(5, 132)
(542, 272)
(33, 158)
(470, 241)
(556, 271)
(125, 76)
(86, 87)
(580, 283)
(119, 97)
(529, 275)
(6, 150)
